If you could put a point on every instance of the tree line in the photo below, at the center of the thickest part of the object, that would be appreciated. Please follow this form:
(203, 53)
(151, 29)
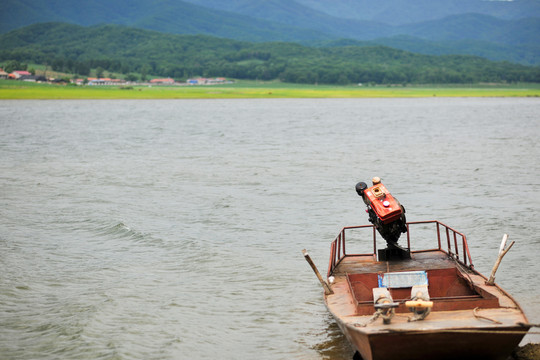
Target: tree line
(78, 50)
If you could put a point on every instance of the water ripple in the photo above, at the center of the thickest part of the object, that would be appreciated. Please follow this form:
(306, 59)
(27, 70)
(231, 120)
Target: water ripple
(173, 229)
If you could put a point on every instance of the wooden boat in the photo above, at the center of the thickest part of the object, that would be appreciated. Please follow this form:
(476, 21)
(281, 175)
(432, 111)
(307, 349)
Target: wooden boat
(455, 314)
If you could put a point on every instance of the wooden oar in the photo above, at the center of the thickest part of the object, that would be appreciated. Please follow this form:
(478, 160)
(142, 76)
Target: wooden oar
(325, 286)
(502, 252)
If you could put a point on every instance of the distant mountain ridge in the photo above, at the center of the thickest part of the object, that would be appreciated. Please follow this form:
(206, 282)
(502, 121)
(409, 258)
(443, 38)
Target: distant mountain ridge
(169, 16)
(398, 12)
(476, 27)
(499, 30)
(126, 50)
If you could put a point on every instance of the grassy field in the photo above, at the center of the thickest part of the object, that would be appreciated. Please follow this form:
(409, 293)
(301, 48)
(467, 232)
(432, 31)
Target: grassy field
(10, 89)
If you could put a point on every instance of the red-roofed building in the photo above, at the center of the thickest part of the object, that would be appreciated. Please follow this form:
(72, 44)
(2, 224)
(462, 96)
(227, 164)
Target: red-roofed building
(167, 81)
(18, 74)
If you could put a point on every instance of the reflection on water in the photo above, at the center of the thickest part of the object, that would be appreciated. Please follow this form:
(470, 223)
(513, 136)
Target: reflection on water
(335, 346)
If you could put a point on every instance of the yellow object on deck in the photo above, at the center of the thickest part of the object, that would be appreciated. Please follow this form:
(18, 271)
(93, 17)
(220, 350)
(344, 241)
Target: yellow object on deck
(419, 304)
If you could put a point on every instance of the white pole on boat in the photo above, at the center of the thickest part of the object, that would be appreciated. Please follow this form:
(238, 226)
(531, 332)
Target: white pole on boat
(502, 252)
(324, 284)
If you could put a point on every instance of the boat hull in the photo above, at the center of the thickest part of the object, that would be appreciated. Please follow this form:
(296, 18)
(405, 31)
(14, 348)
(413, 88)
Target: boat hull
(441, 345)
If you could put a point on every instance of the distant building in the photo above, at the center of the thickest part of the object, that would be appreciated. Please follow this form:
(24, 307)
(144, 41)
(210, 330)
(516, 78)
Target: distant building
(3, 74)
(219, 80)
(105, 81)
(193, 81)
(18, 74)
(167, 81)
(205, 81)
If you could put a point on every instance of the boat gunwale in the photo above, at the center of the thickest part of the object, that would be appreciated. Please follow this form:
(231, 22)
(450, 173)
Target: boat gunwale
(338, 246)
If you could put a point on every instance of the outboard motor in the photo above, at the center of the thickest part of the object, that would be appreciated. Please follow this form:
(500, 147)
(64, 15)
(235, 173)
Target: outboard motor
(387, 215)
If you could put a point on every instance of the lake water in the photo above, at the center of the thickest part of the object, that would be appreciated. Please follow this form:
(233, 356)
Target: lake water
(174, 229)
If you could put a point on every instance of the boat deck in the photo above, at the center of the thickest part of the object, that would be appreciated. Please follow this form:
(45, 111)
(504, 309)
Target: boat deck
(455, 291)
(437, 320)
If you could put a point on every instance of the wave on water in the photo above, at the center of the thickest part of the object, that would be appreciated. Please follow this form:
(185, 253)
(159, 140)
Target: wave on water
(121, 230)
(118, 234)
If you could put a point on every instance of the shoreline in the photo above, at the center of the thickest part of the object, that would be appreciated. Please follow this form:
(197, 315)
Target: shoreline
(15, 90)
(530, 351)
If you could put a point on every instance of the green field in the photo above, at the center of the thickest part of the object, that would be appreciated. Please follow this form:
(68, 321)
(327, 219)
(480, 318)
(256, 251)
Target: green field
(11, 89)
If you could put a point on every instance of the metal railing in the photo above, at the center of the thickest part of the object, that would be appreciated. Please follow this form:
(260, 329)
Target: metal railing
(453, 239)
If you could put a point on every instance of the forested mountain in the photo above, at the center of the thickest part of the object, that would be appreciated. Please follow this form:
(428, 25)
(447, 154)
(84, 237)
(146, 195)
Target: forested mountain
(477, 27)
(169, 16)
(499, 30)
(292, 13)
(399, 12)
(286, 20)
(116, 48)
(521, 54)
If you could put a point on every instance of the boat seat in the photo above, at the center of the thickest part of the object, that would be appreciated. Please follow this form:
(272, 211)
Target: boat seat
(384, 304)
(420, 292)
(379, 293)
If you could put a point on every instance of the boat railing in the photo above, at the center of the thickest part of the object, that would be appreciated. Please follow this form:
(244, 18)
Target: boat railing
(449, 240)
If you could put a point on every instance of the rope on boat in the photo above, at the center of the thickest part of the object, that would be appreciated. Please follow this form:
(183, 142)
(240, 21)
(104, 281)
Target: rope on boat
(475, 313)
(374, 317)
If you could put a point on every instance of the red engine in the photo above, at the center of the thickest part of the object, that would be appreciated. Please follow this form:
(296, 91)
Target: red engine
(383, 203)
(385, 212)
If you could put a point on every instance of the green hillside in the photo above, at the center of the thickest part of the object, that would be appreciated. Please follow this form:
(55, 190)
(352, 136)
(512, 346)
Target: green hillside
(517, 53)
(76, 49)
